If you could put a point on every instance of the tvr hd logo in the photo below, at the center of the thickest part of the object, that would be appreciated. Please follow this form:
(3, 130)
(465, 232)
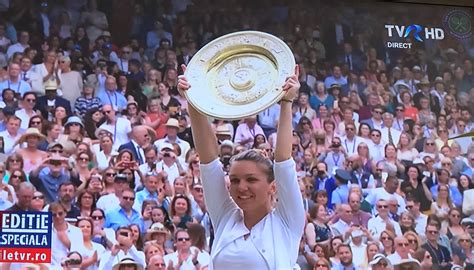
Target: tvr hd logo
(418, 32)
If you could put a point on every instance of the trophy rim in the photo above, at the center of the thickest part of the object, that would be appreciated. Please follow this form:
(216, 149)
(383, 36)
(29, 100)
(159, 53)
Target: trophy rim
(271, 96)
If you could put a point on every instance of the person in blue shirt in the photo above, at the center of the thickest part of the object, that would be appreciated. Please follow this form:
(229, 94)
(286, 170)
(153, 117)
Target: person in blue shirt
(111, 96)
(124, 214)
(341, 194)
(150, 192)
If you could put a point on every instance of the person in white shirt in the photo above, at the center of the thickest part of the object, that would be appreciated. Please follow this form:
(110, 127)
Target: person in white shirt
(413, 206)
(246, 132)
(351, 141)
(402, 251)
(386, 192)
(172, 129)
(28, 75)
(66, 237)
(186, 257)
(28, 103)
(11, 134)
(376, 146)
(382, 221)
(14, 82)
(247, 223)
(358, 247)
(124, 248)
(342, 226)
(20, 46)
(119, 127)
(389, 134)
(169, 162)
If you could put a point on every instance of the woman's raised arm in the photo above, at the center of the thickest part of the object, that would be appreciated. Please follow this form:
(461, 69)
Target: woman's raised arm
(204, 138)
(285, 128)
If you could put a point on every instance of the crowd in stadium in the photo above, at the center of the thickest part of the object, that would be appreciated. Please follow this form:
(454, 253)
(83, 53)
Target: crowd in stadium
(94, 130)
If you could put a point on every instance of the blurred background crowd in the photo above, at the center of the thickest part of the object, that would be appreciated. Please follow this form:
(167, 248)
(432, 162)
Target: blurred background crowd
(93, 129)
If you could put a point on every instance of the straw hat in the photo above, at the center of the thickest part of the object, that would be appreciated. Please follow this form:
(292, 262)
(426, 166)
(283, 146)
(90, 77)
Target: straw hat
(172, 122)
(30, 132)
(50, 85)
(128, 261)
(423, 82)
(223, 130)
(156, 228)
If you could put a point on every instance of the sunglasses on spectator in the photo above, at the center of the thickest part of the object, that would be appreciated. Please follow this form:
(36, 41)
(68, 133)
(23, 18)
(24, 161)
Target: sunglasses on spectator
(128, 198)
(15, 161)
(34, 123)
(110, 174)
(31, 100)
(17, 176)
(183, 239)
(403, 244)
(386, 238)
(56, 151)
(40, 197)
(382, 206)
(432, 232)
(97, 217)
(58, 214)
(412, 241)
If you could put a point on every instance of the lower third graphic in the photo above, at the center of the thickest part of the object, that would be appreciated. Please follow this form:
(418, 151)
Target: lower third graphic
(25, 237)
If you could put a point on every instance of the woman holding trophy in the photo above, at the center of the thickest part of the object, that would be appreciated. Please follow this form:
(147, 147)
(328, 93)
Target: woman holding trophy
(251, 231)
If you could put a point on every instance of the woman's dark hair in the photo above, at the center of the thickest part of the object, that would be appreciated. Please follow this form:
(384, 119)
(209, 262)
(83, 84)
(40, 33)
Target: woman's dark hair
(81, 194)
(167, 220)
(299, 127)
(417, 170)
(451, 211)
(139, 244)
(411, 125)
(89, 125)
(23, 176)
(462, 189)
(146, 203)
(363, 124)
(46, 127)
(88, 219)
(255, 143)
(331, 251)
(173, 202)
(11, 157)
(6, 90)
(65, 118)
(38, 116)
(197, 233)
(122, 152)
(98, 209)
